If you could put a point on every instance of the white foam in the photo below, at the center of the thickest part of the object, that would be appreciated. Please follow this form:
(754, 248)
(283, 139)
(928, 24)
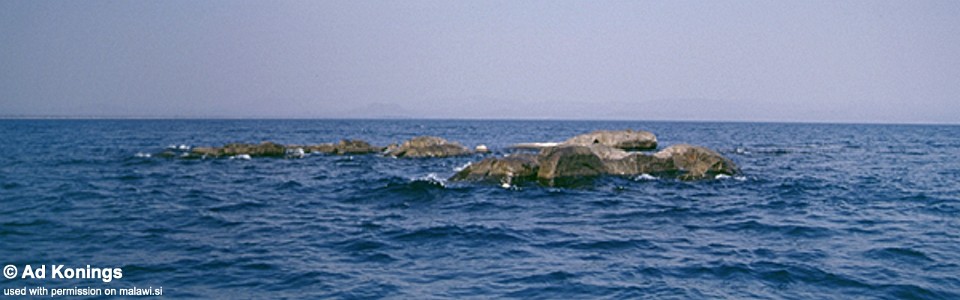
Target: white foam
(724, 176)
(433, 177)
(183, 147)
(534, 145)
(461, 168)
(241, 157)
(296, 153)
(143, 155)
(645, 177)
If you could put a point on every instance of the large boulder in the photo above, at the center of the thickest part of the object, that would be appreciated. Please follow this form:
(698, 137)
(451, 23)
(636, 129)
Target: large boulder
(695, 162)
(507, 170)
(568, 163)
(623, 139)
(427, 146)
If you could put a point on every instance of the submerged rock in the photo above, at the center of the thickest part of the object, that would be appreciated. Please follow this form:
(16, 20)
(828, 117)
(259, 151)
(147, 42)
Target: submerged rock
(623, 139)
(427, 146)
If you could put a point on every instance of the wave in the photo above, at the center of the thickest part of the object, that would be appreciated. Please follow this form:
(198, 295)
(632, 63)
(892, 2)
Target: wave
(473, 234)
(904, 255)
(602, 245)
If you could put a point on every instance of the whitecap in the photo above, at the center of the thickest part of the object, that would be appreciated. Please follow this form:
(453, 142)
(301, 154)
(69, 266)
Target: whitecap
(143, 155)
(722, 176)
(183, 147)
(433, 178)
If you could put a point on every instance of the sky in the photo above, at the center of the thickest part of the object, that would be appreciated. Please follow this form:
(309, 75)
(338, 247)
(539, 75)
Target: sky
(781, 61)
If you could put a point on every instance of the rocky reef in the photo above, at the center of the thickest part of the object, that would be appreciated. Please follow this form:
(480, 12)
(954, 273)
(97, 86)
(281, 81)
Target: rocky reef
(422, 146)
(565, 164)
(598, 153)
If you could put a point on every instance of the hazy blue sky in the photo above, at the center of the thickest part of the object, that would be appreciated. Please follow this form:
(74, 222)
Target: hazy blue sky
(847, 61)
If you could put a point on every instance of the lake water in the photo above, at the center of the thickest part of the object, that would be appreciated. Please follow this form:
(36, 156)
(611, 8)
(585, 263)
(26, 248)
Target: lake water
(821, 211)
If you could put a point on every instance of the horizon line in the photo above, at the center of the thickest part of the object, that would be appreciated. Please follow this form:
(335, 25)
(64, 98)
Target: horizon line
(240, 118)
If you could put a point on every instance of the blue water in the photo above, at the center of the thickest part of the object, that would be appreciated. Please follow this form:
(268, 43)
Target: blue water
(820, 212)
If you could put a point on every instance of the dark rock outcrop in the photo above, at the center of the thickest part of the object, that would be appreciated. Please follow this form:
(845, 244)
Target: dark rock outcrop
(623, 139)
(345, 147)
(505, 170)
(427, 146)
(568, 163)
(424, 146)
(695, 162)
(265, 149)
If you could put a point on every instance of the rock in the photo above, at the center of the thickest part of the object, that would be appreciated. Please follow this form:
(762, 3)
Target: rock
(639, 163)
(569, 163)
(505, 170)
(321, 148)
(265, 149)
(428, 146)
(623, 139)
(533, 146)
(345, 147)
(166, 154)
(695, 162)
(349, 147)
(390, 148)
(481, 149)
(206, 151)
